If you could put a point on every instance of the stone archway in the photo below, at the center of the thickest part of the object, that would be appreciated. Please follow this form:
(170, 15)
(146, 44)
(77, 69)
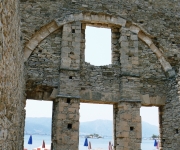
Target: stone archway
(96, 18)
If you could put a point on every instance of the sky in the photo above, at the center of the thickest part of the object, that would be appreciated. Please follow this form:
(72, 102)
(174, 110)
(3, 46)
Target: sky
(97, 52)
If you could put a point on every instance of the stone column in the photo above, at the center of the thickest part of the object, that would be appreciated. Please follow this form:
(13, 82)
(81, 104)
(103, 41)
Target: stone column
(65, 124)
(127, 127)
(127, 120)
(129, 52)
(65, 128)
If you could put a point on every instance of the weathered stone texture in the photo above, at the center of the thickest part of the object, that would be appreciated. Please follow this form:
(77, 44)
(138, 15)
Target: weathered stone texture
(12, 100)
(144, 70)
(127, 126)
(43, 67)
(65, 128)
(170, 116)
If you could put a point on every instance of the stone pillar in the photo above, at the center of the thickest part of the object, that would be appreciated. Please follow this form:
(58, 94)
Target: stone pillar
(65, 124)
(127, 120)
(12, 100)
(127, 126)
(65, 128)
(129, 53)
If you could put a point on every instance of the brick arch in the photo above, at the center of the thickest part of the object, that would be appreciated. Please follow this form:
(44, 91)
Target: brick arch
(96, 18)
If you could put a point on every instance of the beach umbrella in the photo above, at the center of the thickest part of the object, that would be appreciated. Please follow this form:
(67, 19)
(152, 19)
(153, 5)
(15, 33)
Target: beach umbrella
(86, 142)
(43, 144)
(89, 146)
(110, 146)
(155, 142)
(30, 140)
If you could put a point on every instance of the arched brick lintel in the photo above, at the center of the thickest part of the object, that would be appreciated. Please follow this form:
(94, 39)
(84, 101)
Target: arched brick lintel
(96, 18)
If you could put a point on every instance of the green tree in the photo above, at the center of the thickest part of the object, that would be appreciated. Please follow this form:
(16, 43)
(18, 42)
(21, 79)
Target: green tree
(155, 136)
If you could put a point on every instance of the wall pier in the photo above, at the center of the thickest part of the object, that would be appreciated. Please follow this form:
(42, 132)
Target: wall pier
(65, 128)
(127, 126)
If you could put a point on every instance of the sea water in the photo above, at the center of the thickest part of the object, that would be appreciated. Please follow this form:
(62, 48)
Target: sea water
(101, 143)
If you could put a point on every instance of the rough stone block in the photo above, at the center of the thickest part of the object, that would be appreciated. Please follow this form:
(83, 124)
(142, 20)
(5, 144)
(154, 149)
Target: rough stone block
(134, 29)
(27, 53)
(145, 99)
(145, 38)
(52, 26)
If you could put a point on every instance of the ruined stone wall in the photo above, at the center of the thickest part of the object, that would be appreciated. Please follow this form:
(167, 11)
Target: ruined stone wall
(159, 18)
(138, 74)
(43, 67)
(11, 78)
(100, 83)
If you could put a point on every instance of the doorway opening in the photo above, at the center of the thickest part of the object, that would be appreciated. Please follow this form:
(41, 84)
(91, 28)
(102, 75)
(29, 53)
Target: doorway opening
(98, 46)
(96, 123)
(38, 123)
(150, 127)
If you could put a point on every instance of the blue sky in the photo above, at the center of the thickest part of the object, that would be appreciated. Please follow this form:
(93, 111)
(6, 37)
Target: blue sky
(98, 53)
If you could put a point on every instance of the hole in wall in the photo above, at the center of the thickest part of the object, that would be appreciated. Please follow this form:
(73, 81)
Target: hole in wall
(70, 77)
(98, 46)
(69, 126)
(72, 53)
(68, 100)
(82, 88)
(141, 22)
(73, 30)
(131, 128)
(177, 131)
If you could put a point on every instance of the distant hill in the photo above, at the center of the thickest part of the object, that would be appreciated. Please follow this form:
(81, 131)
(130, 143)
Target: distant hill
(38, 126)
(101, 127)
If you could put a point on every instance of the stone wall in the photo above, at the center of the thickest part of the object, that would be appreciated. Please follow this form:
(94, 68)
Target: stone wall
(159, 18)
(144, 69)
(170, 117)
(12, 99)
(43, 67)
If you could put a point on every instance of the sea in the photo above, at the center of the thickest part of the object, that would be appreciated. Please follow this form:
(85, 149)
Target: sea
(101, 143)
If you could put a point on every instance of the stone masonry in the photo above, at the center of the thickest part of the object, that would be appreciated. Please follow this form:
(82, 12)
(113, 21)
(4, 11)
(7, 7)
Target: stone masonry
(12, 89)
(42, 57)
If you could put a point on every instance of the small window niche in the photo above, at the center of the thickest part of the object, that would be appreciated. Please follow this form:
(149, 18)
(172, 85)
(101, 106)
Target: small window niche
(68, 100)
(131, 128)
(69, 126)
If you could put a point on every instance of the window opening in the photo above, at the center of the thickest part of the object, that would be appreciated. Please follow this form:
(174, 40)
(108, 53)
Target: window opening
(98, 46)
(38, 123)
(150, 127)
(96, 123)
